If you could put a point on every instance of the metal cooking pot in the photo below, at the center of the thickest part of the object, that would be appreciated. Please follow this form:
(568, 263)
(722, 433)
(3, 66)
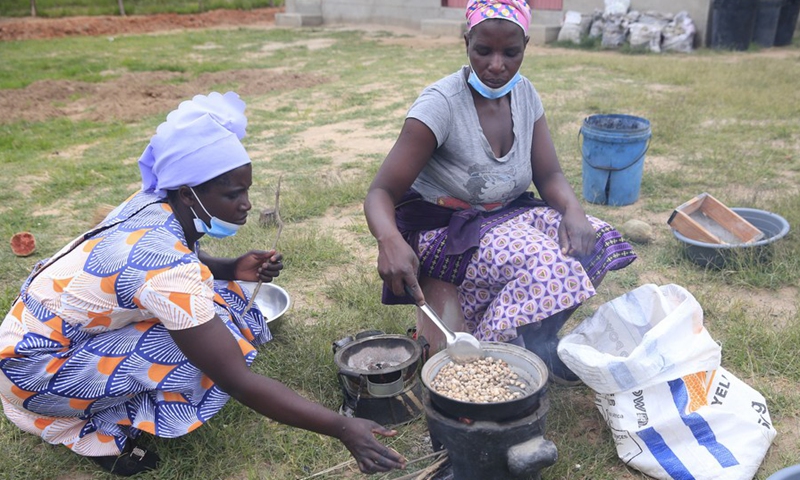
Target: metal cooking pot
(530, 369)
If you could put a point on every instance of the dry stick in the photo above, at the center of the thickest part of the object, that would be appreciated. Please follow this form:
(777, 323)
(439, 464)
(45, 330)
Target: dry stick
(278, 222)
(425, 457)
(427, 471)
(351, 461)
(328, 470)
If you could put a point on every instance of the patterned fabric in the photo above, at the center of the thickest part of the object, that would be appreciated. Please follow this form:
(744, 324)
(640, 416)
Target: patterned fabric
(519, 276)
(437, 261)
(85, 352)
(516, 11)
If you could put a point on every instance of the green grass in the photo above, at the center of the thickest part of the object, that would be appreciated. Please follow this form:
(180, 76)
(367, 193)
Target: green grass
(723, 123)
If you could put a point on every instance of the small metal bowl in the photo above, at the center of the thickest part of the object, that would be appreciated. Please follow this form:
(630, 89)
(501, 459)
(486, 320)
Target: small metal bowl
(272, 300)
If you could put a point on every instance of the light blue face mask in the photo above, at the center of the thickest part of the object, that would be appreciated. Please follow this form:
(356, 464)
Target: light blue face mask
(489, 92)
(218, 229)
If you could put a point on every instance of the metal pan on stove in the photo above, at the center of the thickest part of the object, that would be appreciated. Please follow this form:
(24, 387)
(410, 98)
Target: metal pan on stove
(530, 369)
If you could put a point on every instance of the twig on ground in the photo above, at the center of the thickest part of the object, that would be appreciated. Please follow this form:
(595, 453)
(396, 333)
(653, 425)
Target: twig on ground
(329, 470)
(405, 477)
(427, 472)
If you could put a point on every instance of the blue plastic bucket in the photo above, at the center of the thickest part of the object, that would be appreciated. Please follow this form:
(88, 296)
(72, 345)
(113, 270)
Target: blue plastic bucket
(613, 152)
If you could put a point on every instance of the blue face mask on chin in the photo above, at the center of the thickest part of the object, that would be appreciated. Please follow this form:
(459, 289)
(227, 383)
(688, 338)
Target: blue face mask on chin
(218, 229)
(489, 92)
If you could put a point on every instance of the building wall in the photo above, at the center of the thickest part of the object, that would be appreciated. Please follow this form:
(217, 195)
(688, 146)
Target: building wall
(403, 13)
(412, 13)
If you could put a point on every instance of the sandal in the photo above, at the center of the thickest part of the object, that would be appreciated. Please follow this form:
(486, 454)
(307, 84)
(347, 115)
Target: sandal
(132, 461)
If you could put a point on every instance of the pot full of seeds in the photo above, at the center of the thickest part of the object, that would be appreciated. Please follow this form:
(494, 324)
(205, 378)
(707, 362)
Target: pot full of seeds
(507, 382)
(489, 414)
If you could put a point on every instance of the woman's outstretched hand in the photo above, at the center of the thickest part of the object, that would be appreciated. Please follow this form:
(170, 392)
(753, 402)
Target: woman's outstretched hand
(576, 236)
(258, 265)
(358, 435)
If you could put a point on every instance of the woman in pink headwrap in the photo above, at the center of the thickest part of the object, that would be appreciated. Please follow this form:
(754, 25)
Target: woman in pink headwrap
(451, 210)
(132, 328)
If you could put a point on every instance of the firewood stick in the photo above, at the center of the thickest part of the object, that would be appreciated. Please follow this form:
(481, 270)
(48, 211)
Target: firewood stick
(405, 477)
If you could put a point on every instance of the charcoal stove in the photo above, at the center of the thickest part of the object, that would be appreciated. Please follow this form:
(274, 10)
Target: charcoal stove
(492, 441)
(378, 375)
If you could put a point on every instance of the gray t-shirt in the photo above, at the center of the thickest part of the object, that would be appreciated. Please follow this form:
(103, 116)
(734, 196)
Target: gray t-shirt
(463, 165)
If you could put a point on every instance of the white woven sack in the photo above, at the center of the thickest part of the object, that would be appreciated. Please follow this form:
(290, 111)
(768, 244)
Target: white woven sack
(649, 335)
(705, 426)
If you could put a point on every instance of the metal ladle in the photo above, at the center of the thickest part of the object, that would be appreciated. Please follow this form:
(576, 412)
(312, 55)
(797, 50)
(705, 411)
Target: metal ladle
(461, 346)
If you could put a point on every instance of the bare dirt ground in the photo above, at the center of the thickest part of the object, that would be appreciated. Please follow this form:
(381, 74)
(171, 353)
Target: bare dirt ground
(146, 93)
(30, 28)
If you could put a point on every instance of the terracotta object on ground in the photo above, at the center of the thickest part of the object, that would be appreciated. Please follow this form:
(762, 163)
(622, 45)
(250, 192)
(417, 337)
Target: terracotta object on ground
(23, 244)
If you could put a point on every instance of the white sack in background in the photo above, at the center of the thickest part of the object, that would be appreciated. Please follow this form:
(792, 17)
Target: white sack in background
(617, 7)
(615, 31)
(575, 27)
(646, 36)
(596, 27)
(679, 34)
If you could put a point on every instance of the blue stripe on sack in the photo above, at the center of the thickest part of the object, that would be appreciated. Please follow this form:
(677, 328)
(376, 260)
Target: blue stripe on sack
(701, 430)
(664, 455)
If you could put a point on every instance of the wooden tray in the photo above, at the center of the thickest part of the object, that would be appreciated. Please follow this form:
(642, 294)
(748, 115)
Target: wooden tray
(706, 219)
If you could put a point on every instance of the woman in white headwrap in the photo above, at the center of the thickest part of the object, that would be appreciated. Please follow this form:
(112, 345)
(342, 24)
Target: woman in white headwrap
(450, 205)
(131, 328)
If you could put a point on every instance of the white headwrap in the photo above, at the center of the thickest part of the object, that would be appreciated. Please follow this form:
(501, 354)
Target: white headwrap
(200, 140)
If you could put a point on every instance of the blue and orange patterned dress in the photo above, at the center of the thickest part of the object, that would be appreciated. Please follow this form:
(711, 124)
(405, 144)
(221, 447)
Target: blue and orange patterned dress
(86, 358)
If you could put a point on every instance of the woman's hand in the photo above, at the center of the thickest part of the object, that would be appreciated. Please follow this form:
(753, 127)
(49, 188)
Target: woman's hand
(258, 265)
(211, 348)
(576, 236)
(358, 435)
(398, 266)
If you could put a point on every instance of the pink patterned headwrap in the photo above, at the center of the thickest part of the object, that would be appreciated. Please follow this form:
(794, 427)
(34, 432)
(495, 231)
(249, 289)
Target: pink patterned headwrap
(516, 11)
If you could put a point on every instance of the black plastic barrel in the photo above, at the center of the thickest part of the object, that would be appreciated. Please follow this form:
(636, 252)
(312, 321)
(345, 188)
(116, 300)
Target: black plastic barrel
(787, 23)
(767, 14)
(732, 23)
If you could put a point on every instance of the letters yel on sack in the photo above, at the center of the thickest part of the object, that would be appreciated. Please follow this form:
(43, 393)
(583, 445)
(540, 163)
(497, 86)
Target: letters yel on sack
(705, 424)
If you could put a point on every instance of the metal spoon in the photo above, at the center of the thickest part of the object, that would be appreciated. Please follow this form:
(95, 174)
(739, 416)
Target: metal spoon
(461, 346)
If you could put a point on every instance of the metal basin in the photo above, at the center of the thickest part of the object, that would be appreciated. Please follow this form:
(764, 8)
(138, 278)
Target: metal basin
(716, 255)
(272, 300)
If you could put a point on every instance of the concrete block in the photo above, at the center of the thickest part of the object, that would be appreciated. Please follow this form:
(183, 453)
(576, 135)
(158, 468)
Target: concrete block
(543, 34)
(294, 20)
(312, 20)
(437, 26)
(297, 20)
